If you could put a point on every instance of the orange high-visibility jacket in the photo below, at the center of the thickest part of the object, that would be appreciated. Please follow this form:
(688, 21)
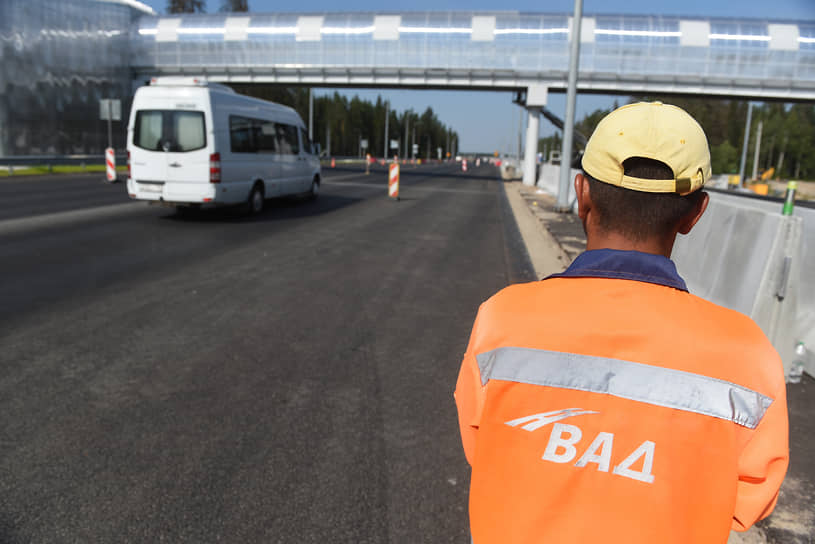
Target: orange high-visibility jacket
(599, 409)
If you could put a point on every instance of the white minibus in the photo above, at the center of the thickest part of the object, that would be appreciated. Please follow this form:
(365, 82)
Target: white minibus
(193, 143)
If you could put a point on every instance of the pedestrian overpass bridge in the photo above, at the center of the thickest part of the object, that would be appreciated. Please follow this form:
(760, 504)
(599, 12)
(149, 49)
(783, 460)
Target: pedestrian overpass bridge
(623, 54)
(59, 57)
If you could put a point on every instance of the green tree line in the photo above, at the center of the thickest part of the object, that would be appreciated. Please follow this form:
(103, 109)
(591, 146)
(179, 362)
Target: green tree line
(341, 125)
(787, 134)
(198, 6)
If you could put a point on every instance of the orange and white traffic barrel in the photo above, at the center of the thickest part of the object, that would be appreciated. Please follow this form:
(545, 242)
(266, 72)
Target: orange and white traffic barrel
(464, 165)
(393, 181)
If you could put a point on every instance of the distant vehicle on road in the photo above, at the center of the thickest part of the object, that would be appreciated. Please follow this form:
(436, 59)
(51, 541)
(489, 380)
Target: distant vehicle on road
(192, 143)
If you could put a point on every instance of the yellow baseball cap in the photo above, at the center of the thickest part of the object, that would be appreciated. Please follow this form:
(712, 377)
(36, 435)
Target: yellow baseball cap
(651, 130)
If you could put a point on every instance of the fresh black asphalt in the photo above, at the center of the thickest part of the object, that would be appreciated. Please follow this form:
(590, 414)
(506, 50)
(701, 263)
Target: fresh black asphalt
(215, 378)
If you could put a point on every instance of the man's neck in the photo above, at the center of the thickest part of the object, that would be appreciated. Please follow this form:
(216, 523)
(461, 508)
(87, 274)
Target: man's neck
(613, 240)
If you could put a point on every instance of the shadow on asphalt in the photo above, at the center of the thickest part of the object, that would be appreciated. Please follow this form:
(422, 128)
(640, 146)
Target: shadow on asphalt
(275, 209)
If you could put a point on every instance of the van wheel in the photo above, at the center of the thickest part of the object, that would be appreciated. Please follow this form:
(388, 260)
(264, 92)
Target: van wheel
(256, 200)
(315, 188)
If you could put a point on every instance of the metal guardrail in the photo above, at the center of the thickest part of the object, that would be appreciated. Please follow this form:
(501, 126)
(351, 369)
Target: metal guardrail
(57, 160)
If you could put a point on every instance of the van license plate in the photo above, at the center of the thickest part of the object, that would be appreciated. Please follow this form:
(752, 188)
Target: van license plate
(150, 187)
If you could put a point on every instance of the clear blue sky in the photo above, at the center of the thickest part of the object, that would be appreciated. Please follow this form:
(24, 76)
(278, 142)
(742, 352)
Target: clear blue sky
(489, 121)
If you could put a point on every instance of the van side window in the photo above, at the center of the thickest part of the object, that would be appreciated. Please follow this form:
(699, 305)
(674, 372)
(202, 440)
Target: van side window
(307, 144)
(287, 139)
(240, 135)
(265, 136)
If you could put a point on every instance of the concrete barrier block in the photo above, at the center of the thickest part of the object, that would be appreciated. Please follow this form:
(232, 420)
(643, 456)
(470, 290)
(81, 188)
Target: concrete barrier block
(748, 257)
(724, 257)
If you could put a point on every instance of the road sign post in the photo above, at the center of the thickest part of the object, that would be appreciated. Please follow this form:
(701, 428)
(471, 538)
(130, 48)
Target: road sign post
(110, 109)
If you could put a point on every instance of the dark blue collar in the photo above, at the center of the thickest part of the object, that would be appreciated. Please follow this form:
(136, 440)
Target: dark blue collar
(625, 265)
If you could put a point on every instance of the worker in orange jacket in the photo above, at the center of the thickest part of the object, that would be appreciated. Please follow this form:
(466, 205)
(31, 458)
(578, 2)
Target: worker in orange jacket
(606, 403)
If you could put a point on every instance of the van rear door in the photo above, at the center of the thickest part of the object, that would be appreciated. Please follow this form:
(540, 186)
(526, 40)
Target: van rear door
(149, 165)
(186, 148)
(177, 142)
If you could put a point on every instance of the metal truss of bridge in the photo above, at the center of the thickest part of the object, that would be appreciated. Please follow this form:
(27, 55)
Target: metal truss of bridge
(503, 50)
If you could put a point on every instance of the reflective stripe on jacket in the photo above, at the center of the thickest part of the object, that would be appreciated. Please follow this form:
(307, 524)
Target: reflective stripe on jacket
(617, 410)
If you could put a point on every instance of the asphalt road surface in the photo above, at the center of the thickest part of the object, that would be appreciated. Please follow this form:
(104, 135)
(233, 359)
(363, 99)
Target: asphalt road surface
(216, 378)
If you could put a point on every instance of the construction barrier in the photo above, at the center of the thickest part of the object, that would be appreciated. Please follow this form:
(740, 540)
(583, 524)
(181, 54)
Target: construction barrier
(393, 181)
(549, 181)
(744, 255)
(110, 164)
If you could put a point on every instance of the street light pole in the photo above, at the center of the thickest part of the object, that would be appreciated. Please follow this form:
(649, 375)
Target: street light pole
(743, 163)
(310, 115)
(407, 125)
(387, 114)
(758, 149)
(568, 129)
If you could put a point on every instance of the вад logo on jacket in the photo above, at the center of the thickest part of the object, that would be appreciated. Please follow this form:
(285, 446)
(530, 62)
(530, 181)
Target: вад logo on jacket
(564, 440)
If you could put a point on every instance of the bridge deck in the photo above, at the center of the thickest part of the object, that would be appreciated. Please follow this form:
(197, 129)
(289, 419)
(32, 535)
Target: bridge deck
(752, 58)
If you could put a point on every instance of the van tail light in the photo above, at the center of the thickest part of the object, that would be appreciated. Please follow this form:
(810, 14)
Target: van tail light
(128, 165)
(215, 168)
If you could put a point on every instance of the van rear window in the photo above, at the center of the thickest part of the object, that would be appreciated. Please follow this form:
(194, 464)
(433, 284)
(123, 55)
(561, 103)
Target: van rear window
(169, 130)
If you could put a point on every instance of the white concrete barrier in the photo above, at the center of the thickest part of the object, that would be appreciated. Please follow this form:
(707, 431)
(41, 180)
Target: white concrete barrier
(511, 169)
(744, 255)
(549, 181)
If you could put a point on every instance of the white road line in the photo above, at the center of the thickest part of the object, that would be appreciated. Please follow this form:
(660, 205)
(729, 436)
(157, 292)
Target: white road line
(412, 189)
(332, 178)
(11, 226)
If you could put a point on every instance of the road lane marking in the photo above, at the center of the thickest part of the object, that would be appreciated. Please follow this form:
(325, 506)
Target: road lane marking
(56, 219)
(384, 187)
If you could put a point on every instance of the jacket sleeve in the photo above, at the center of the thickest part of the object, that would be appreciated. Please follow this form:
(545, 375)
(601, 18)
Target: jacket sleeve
(763, 461)
(469, 395)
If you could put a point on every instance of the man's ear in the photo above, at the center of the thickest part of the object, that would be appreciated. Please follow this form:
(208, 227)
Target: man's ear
(581, 190)
(693, 217)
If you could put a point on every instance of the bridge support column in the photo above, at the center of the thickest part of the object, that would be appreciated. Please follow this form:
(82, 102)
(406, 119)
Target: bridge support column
(531, 150)
(533, 99)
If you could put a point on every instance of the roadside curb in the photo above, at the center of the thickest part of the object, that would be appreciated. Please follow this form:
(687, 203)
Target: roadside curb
(545, 252)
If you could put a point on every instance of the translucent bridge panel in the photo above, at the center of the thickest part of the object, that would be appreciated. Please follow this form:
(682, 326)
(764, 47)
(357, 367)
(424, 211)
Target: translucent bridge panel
(622, 53)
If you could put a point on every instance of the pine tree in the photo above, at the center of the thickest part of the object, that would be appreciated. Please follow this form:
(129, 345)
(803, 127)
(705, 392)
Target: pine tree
(234, 6)
(186, 6)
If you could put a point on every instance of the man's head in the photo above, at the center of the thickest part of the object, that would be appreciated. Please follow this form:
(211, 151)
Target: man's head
(643, 173)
